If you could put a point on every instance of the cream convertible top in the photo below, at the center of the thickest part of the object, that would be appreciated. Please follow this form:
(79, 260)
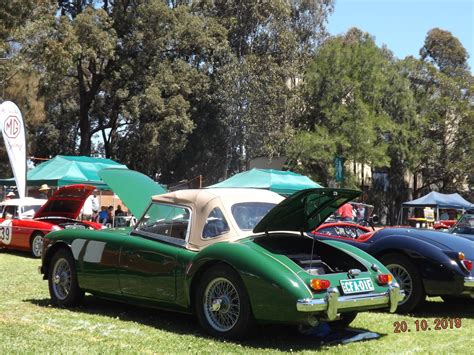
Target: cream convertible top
(203, 201)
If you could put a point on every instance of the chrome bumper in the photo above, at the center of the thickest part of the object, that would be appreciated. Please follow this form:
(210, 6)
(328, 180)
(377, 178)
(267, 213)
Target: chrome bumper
(469, 282)
(333, 302)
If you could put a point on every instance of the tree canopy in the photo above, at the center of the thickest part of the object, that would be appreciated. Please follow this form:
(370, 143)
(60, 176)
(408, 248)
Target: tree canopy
(182, 88)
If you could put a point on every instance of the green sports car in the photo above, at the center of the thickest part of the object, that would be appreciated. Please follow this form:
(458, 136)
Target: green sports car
(234, 257)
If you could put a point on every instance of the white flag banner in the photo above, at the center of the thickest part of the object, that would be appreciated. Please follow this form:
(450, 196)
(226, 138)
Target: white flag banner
(13, 131)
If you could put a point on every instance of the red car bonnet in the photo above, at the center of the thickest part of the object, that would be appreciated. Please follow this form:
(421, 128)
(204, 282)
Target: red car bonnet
(66, 202)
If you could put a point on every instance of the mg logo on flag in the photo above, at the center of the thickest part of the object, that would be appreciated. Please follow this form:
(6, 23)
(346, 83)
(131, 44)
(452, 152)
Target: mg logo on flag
(13, 132)
(12, 127)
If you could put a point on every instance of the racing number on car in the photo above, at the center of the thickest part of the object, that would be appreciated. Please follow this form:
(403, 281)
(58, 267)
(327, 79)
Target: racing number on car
(6, 232)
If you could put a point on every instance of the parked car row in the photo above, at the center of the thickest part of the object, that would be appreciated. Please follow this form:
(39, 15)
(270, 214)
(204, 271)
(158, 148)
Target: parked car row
(239, 257)
(234, 257)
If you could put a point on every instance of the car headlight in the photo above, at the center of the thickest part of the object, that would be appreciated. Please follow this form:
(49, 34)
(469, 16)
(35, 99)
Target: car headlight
(55, 228)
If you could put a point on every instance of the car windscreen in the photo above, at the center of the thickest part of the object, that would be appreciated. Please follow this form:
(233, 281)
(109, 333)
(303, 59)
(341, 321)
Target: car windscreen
(165, 221)
(248, 214)
(465, 225)
(28, 211)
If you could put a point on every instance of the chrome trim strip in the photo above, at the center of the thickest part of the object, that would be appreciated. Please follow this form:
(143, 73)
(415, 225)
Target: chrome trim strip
(333, 302)
(469, 282)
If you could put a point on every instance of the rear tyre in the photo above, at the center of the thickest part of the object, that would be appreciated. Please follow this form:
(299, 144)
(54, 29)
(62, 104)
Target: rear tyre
(346, 319)
(36, 244)
(222, 304)
(409, 279)
(62, 280)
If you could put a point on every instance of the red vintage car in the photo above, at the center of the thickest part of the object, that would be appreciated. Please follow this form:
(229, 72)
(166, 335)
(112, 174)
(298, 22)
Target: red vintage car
(24, 222)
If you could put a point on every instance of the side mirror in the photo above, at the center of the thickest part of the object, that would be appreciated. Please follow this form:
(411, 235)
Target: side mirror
(374, 219)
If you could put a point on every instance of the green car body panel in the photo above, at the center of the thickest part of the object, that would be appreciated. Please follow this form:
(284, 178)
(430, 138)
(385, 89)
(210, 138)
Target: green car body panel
(273, 281)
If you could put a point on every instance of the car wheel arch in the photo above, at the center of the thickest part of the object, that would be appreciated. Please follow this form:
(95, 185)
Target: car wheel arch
(401, 252)
(49, 254)
(197, 276)
(382, 253)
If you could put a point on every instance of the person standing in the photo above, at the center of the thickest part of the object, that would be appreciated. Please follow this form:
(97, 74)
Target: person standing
(44, 191)
(87, 209)
(95, 205)
(345, 211)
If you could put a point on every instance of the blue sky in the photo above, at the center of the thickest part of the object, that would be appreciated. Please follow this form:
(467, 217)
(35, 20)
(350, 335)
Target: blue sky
(402, 25)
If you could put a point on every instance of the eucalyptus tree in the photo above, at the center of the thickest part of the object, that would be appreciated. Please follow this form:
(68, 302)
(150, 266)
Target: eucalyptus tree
(125, 70)
(254, 89)
(443, 87)
(18, 83)
(358, 109)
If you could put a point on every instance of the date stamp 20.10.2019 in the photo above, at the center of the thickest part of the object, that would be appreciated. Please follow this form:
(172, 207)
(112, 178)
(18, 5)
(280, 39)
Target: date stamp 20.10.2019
(423, 325)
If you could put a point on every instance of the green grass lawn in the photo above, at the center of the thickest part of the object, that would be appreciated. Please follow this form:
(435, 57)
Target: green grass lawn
(28, 323)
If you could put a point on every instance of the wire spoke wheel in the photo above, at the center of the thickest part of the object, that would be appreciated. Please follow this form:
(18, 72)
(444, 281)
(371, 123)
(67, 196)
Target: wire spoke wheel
(221, 304)
(403, 278)
(37, 245)
(62, 279)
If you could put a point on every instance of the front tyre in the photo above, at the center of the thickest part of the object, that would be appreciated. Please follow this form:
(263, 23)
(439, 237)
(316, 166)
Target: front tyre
(36, 244)
(222, 304)
(62, 280)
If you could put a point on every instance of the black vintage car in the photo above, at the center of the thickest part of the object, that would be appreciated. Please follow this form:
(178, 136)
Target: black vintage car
(425, 262)
(464, 227)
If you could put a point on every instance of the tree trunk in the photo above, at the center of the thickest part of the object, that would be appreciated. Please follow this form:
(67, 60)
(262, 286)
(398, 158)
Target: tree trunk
(415, 183)
(85, 129)
(86, 97)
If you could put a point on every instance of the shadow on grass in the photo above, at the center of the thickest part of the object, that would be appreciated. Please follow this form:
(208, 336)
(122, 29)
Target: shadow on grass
(462, 308)
(275, 337)
(19, 253)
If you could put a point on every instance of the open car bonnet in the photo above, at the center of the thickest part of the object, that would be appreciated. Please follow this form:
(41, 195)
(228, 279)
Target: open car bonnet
(66, 202)
(305, 210)
(134, 189)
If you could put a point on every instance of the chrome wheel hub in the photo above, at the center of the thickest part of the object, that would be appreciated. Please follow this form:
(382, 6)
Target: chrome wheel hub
(216, 305)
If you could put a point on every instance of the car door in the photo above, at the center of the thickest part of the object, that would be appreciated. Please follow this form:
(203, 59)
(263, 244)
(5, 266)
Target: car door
(149, 257)
(11, 232)
(98, 261)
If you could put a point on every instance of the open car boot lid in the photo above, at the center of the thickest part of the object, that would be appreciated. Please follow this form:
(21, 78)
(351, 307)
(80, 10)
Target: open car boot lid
(305, 210)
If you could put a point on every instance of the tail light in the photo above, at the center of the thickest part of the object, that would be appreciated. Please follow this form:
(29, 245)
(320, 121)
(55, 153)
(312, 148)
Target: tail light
(464, 262)
(319, 285)
(467, 264)
(384, 278)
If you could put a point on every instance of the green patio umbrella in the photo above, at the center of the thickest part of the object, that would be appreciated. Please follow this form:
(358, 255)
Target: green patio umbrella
(282, 182)
(67, 170)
